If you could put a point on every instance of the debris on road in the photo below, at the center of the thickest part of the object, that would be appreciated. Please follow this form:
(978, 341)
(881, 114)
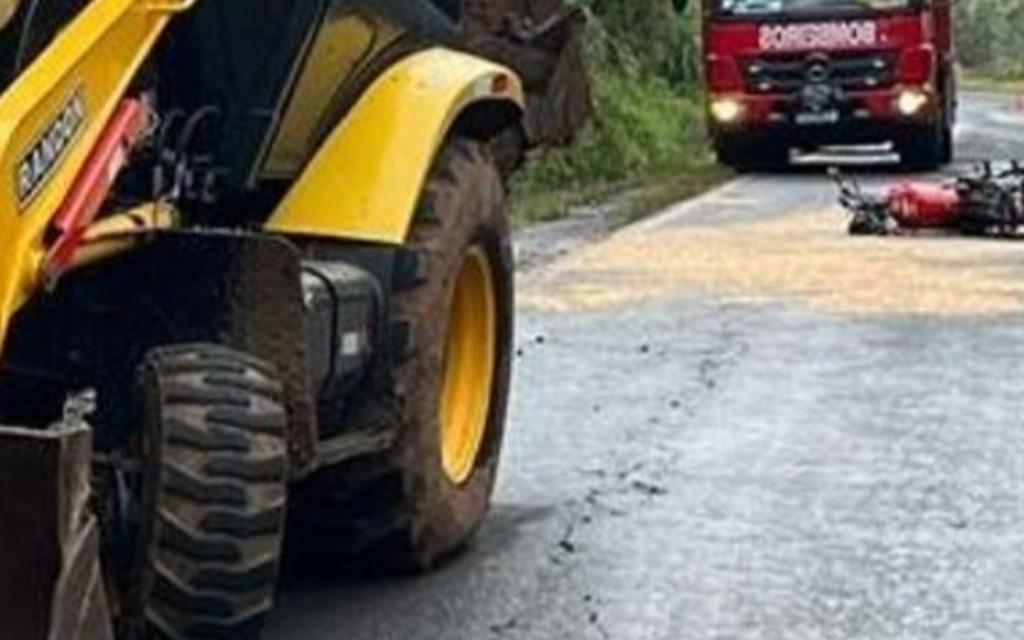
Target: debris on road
(502, 627)
(649, 489)
(799, 255)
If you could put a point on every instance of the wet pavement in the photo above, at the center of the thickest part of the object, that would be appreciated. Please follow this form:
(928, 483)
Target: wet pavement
(732, 421)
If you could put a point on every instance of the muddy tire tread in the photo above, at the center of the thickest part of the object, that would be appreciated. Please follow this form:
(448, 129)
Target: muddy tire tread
(213, 560)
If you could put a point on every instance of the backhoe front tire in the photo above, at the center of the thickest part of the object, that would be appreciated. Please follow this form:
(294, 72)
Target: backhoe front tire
(452, 315)
(214, 494)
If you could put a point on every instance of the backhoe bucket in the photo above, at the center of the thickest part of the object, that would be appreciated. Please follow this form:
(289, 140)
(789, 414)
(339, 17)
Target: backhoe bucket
(51, 586)
(542, 40)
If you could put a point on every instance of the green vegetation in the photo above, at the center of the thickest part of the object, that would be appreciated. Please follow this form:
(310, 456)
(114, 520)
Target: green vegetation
(646, 144)
(647, 133)
(990, 38)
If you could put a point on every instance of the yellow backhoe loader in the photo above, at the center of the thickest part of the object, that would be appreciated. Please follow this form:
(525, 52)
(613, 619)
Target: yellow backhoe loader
(255, 279)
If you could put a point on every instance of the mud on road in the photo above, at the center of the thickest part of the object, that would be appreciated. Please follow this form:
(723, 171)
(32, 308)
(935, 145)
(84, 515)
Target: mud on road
(733, 421)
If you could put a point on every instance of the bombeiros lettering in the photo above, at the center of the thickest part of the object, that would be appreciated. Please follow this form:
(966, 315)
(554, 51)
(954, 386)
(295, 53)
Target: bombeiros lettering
(814, 35)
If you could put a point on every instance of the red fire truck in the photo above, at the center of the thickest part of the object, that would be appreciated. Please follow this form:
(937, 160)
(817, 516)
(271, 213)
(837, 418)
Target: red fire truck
(807, 73)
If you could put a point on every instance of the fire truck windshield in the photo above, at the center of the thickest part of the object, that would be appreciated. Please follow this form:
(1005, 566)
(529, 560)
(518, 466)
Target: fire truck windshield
(786, 7)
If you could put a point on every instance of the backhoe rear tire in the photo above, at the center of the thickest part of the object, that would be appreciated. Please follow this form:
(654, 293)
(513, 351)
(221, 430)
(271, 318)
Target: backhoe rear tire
(452, 315)
(213, 496)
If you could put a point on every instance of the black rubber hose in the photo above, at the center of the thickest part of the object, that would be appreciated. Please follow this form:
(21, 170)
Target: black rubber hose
(24, 39)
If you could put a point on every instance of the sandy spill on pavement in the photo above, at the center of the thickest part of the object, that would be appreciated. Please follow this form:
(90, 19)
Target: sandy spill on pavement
(805, 257)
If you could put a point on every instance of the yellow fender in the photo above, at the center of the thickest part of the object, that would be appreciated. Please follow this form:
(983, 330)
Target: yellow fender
(365, 181)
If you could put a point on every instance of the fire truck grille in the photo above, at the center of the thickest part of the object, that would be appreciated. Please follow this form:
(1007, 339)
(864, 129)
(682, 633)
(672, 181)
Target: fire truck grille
(857, 71)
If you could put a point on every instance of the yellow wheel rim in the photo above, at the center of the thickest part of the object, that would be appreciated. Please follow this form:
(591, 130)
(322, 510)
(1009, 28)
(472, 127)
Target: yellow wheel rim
(469, 366)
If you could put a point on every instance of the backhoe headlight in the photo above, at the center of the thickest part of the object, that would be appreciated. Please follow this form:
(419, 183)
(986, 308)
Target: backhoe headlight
(911, 102)
(726, 110)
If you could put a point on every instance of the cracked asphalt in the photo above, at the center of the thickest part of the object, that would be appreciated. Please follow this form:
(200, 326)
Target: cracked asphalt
(732, 421)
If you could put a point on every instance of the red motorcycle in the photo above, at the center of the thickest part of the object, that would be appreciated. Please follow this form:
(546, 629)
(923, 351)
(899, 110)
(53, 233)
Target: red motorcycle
(986, 201)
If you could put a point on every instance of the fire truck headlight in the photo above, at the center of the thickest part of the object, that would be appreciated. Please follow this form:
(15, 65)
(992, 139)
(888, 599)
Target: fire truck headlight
(911, 101)
(726, 110)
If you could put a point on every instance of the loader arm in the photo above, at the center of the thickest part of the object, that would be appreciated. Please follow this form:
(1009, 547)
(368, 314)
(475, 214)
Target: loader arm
(50, 119)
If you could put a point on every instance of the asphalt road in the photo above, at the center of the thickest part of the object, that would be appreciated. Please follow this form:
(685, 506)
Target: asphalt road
(732, 421)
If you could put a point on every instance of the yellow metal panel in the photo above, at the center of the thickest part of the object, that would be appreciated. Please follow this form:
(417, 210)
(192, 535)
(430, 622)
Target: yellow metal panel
(365, 181)
(345, 43)
(89, 65)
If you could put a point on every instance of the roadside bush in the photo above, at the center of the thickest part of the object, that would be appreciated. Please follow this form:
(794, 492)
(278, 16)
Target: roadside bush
(648, 116)
(990, 37)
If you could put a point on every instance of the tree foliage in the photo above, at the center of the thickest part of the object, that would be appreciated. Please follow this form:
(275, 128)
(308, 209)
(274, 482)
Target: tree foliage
(659, 33)
(644, 62)
(990, 36)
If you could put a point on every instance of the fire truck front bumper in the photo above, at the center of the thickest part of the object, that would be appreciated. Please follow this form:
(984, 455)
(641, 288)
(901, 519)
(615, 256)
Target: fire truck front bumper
(856, 118)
